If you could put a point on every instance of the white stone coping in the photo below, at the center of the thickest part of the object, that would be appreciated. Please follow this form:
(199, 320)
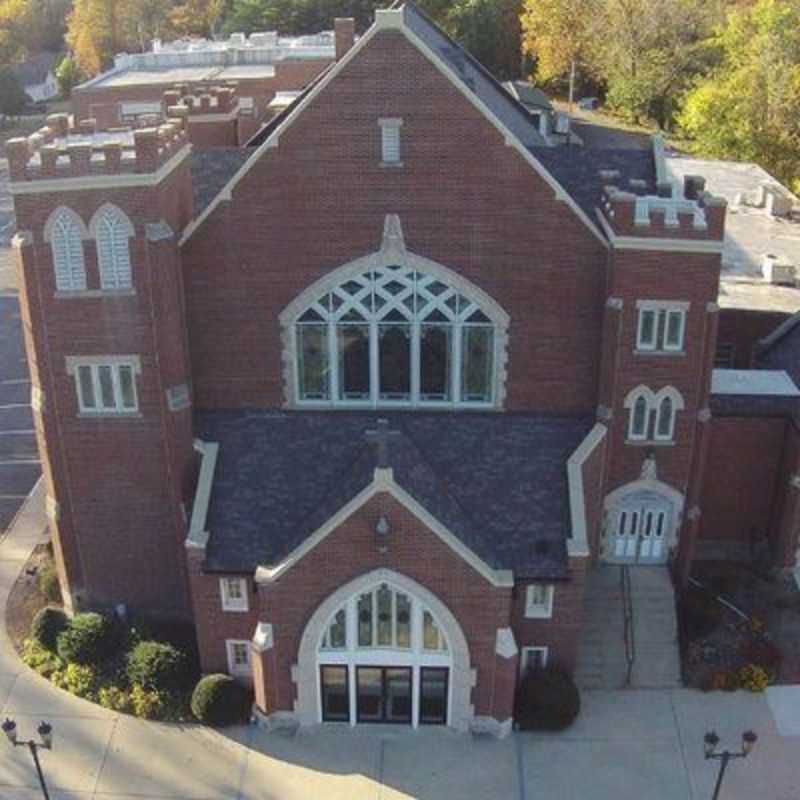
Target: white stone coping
(198, 534)
(753, 382)
(578, 543)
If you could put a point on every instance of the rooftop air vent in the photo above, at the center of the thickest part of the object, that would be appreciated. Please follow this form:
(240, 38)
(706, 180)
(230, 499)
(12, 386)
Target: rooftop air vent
(777, 270)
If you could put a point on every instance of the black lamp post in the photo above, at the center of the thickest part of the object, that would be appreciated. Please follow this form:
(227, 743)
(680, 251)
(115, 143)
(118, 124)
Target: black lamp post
(710, 743)
(45, 732)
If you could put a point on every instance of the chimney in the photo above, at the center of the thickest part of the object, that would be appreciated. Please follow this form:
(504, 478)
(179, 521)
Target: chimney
(344, 34)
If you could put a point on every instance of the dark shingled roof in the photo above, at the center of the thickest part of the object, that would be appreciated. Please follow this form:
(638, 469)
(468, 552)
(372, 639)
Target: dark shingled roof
(212, 168)
(781, 349)
(578, 169)
(744, 405)
(474, 76)
(496, 481)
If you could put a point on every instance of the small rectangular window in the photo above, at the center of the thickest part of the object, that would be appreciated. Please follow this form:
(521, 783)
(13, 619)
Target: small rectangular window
(660, 326)
(390, 141)
(532, 658)
(238, 656)
(105, 387)
(234, 594)
(539, 600)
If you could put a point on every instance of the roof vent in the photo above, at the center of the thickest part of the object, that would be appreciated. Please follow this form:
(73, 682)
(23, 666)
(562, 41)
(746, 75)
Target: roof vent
(777, 270)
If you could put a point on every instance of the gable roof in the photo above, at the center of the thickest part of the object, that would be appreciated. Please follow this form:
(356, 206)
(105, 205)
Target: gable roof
(498, 483)
(528, 94)
(35, 69)
(475, 82)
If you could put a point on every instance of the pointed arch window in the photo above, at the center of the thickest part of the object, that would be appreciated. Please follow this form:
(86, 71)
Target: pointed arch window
(112, 230)
(652, 415)
(65, 232)
(394, 335)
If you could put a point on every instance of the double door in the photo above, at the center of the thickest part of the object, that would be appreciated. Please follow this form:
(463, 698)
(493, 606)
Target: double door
(640, 532)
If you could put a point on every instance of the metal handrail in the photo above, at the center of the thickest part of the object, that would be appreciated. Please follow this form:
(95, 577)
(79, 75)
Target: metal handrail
(627, 611)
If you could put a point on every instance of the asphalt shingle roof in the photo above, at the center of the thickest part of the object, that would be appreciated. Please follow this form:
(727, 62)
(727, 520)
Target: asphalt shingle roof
(497, 482)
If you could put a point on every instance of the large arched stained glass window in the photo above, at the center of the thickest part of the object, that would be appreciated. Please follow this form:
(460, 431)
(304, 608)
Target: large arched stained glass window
(393, 335)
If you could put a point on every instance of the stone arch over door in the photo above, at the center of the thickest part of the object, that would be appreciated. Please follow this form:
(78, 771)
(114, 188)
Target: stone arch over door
(641, 522)
(306, 670)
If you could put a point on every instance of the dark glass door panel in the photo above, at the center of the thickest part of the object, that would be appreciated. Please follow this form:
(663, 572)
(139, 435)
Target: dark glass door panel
(335, 695)
(395, 361)
(384, 694)
(369, 688)
(433, 695)
(397, 694)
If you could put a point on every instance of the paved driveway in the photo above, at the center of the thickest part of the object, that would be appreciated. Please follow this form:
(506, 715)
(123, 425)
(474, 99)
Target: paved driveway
(19, 460)
(636, 745)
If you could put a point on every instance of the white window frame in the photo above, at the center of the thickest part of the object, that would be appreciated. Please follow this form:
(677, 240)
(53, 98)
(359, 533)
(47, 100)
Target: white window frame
(653, 402)
(542, 610)
(391, 142)
(235, 668)
(114, 263)
(65, 233)
(230, 603)
(532, 648)
(662, 310)
(419, 283)
(94, 363)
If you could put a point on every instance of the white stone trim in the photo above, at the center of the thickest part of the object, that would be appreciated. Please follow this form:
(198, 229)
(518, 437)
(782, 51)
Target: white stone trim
(653, 243)
(505, 645)
(307, 707)
(47, 232)
(73, 362)
(664, 305)
(395, 19)
(117, 211)
(52, 509)
(489, 726)
(21, 238)
(653, 401)
(264, 637)
(37, 399)
(198, 534)
(530, 648)
(158, 231)
(107, 181)
(383, 481)
(578, 543)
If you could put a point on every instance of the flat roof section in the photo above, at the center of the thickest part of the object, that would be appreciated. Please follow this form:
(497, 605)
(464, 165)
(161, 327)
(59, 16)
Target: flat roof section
(172, 75)
(753, 383)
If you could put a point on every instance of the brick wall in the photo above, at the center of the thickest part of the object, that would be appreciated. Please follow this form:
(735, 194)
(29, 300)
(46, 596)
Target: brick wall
(741, 329)
(465, 199)
(741, 477)
(414, 551)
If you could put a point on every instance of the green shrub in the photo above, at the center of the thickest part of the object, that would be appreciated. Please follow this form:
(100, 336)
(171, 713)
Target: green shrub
(80, 680)
(547, 699)
(90, 638)
(39, 658)
(115, 698)
(48, 623)
(218, 700)
(765, 654)
(49, 585)
(147, 703)
(158, 666)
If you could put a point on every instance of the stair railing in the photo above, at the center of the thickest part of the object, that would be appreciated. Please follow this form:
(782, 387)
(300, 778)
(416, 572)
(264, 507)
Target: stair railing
(627, 612)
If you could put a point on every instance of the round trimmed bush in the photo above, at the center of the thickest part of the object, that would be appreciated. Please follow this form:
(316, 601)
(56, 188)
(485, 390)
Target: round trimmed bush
(90, 638)
(219, 700)
(48, 623)
(547, 700)
(158, 666)
(49, 585)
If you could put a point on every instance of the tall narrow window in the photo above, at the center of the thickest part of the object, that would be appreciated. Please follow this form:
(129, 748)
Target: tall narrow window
(112, 231)
(390, 141)
(65, 233)
(661, 326)
(665, 422)
(638, 425)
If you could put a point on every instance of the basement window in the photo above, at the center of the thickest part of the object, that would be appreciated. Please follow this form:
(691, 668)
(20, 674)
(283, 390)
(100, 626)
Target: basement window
(532, 658)
(539, 600)
(238, 656)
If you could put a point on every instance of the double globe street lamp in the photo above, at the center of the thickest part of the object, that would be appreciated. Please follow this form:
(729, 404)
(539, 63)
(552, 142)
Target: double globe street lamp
(710, 742)
(45, 731)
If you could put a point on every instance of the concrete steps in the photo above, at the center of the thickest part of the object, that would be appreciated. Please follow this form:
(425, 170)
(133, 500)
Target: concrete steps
(601, 654)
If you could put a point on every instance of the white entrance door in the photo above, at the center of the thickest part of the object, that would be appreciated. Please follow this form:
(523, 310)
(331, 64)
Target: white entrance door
(639, 530)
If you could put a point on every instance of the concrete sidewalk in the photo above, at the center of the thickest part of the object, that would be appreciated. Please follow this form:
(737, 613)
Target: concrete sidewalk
(626, 745)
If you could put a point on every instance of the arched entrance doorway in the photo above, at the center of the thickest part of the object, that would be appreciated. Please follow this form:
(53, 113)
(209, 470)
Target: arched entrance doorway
(383, 649)
(641, 523)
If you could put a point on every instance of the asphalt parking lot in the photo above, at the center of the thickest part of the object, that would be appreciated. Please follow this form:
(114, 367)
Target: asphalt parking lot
(19, 460)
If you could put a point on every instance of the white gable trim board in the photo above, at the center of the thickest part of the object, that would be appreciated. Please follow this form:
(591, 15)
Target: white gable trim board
(393, 19)
(384, 482)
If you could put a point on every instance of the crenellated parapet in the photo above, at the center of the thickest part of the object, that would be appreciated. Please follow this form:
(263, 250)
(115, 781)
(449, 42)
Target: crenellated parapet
(202, 100)
(688, 212)
(59, 150)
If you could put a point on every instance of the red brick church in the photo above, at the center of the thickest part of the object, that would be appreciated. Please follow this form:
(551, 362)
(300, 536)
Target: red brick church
(367, 398)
